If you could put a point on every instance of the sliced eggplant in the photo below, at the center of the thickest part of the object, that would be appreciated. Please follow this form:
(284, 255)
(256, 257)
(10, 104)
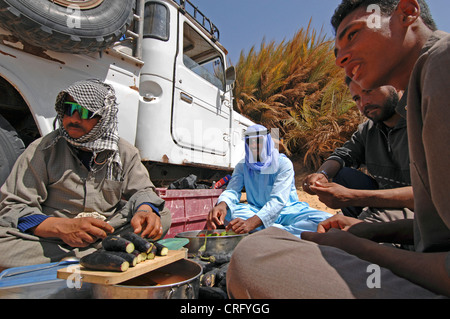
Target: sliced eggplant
(151, 255)
(132, 259)
(116, 243)
(161, 250)
(103, 260)
(140, 243)
(140, 256)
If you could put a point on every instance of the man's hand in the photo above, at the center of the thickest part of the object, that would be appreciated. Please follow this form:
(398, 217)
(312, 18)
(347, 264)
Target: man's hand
(335, 238)
(75, 232)
(338, 221)
(216, 216)
(240, 226)
(334, 232)
(333, 195)
(311, 180)
(147, 223)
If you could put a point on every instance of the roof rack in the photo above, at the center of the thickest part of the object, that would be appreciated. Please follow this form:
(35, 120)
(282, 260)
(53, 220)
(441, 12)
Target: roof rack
(198, 16)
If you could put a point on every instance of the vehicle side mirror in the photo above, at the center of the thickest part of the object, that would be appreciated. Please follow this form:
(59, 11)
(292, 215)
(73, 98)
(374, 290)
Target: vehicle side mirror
(230, 76)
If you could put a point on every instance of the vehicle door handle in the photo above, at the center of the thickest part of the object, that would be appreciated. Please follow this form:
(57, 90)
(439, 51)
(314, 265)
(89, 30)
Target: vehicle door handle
(186, 98)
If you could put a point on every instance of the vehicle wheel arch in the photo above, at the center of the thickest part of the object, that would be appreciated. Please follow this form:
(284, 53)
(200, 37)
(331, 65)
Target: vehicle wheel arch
(17, 96)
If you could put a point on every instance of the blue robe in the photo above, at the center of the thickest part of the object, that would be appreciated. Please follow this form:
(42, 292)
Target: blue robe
(271, 196)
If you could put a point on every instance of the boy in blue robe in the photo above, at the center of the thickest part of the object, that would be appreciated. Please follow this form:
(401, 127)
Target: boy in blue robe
(272, 199)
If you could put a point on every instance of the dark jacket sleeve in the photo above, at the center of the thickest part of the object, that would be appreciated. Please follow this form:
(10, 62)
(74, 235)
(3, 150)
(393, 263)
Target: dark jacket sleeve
(352, 153)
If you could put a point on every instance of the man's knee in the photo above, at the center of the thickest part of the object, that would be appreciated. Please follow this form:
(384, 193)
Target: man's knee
(251, 265)
(240, 264)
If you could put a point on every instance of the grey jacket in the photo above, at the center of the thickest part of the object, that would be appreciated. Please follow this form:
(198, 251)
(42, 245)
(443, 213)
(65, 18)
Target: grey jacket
(428, 113)
(51, 180)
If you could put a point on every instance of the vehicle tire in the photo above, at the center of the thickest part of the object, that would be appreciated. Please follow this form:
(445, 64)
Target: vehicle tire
(11, 146)
(67, 25)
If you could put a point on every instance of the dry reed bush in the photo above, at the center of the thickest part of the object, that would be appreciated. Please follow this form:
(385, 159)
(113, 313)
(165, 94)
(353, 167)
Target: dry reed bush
(296, 87)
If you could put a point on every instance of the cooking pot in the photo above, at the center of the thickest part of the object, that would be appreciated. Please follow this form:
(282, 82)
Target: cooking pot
(210, 244)
(178, 280)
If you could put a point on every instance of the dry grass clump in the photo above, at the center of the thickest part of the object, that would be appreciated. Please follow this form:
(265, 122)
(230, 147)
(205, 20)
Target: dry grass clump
(296, 87)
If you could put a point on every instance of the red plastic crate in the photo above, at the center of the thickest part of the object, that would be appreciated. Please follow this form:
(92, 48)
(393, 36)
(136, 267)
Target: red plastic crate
(189, 207)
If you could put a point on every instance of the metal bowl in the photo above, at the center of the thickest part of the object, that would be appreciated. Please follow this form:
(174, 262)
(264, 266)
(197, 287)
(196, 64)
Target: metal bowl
(214, 244)
(178, 280)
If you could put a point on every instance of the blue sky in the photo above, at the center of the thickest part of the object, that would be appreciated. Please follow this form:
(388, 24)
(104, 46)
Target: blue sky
(245, 23)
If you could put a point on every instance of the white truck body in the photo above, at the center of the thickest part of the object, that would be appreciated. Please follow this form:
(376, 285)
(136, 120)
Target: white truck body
(170, 107)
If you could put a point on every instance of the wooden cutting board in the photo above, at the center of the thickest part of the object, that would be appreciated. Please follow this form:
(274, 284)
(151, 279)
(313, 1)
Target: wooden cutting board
(112, 277)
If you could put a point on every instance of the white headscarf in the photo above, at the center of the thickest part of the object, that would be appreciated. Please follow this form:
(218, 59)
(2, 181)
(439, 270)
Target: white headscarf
(268, 155)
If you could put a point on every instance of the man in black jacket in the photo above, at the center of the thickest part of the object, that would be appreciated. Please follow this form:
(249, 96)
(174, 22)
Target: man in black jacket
(381, 145)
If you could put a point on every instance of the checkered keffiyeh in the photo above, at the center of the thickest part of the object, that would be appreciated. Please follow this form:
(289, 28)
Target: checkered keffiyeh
(99, 98)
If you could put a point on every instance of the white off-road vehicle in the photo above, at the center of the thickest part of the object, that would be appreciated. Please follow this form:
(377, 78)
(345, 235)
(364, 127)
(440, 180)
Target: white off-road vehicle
(163, 58)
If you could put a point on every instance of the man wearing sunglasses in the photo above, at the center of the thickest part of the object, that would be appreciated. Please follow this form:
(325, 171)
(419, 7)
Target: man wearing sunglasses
(76, 185)
(78, 120)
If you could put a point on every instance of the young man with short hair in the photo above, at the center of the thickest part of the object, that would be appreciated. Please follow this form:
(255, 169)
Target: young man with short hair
(342, 257)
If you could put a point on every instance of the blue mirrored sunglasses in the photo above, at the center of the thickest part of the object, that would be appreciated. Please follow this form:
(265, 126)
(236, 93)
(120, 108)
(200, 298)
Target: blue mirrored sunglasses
(71, 107)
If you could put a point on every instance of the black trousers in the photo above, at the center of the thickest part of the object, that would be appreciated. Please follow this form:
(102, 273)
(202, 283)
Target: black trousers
(354, 179)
